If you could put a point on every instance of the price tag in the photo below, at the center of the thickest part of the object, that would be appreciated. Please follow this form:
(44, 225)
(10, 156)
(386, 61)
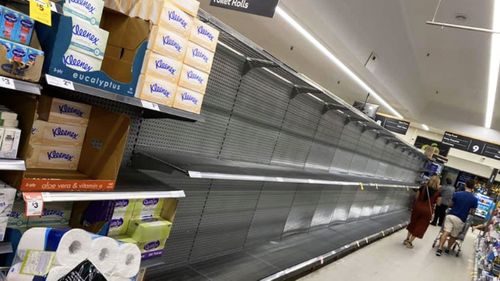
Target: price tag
(376, 186)
(7, 83)
(362, 186)
(59, 82)
(34, 203)
(150, 105)
(40, 10)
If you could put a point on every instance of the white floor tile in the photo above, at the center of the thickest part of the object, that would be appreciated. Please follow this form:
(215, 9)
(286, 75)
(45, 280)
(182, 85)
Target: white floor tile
(389, 260)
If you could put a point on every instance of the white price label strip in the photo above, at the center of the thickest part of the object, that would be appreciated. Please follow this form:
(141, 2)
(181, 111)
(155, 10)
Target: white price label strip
(150, 105)
(7, 83)
(34, 203)
(59, 82)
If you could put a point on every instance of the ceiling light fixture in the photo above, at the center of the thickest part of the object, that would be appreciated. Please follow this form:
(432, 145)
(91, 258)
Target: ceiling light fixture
(425, 127)
(335, 60)
(494, 66)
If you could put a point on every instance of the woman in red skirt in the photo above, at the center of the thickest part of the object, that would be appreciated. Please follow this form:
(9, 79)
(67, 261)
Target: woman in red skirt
(421, 215)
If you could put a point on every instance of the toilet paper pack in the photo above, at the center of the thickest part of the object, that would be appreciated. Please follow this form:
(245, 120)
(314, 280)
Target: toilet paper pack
(156, 90)
(148, 208)
(46, 133)
(88, 10)
(81, 62)
(88, 39)
(193, 79)
(119, 223)
(162, 67)
(204, 35)
(149, 229)
(174, 19)
(124, 205)
(188, 100)
(167, 43)
(199, 57)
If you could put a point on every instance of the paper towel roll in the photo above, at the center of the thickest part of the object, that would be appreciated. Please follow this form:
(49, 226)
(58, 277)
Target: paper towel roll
(129, 261)
(104, 254)
(57, 273)
(73, 248)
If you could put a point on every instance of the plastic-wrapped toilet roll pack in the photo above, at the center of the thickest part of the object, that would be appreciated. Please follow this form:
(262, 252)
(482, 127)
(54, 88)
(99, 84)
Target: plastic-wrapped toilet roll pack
(76, 249)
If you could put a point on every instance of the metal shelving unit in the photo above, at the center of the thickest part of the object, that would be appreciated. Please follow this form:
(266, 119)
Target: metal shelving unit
(150, 109)
(195, 166)
(19, 85)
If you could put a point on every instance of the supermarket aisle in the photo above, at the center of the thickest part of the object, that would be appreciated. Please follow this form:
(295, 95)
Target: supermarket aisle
(389, 260)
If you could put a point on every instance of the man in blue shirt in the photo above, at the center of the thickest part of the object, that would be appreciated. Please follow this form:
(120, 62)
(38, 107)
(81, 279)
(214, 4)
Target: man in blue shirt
(463, 203)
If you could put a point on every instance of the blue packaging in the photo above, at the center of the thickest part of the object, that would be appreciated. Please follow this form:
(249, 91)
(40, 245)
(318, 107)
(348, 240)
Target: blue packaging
(20, 53)
(16, 26)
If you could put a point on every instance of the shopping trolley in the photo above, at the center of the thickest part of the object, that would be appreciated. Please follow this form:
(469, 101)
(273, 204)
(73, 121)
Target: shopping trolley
(457, 246)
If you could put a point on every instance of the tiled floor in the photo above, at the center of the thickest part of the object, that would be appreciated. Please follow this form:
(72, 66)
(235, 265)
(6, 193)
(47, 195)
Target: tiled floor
(389, 260)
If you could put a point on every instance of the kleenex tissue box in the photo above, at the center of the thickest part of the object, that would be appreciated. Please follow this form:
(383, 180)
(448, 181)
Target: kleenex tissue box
(159, 66)
(188, 100)
(204, 35)
(54, 157)
(88, 39)
(81, 62)
(156, 90)
(193, 79)
(167, 43)
(172, 18)
(199, 57)
(46, 133)
(88, 10)
(61, 111)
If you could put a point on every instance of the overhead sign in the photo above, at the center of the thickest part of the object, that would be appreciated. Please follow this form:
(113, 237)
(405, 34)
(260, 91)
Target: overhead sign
(264, 8)
(479, 147)
(393, 124)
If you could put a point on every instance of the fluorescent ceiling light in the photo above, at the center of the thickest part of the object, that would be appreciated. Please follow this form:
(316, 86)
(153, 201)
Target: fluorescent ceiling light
(425, 127)
(335, 60)
(494, 65)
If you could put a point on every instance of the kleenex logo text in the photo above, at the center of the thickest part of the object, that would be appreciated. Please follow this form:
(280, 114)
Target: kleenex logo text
(70, 60)
(60, 132)
(187, 97)
(160, 64)
(67, 109)
(85, 4)
(155, 88)
(168, 41)
(54, 154)
(194, 76)
(172, 15)
(82, 32)
(206, 33)
(199, 54)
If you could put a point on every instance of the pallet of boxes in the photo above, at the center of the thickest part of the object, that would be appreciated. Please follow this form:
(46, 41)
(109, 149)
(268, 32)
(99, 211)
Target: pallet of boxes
(180, 52)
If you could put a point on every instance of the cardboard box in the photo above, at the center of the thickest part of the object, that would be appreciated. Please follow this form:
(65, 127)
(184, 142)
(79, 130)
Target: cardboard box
(204, 35)
(199, 57)
(61, 111)
(101, 155)
(162, 67)
(54, 157)
(188, 100)
(122, 61)
(156, 90)
(88, 39)
(167, 43)
(81, 62)
(28, 62)
(88, 10)
(45, 133)
(189, 6)
(193, 79)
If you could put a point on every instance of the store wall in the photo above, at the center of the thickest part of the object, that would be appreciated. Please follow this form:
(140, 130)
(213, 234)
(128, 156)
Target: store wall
(253, 118)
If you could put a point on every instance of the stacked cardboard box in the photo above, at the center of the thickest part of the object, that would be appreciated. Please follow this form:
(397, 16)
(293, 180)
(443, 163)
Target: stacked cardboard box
(57, 137)
(180, 51)
(88, 41)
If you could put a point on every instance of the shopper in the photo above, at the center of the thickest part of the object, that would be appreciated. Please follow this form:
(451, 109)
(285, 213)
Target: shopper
(427, 197)
(446, 192)
(463, 203)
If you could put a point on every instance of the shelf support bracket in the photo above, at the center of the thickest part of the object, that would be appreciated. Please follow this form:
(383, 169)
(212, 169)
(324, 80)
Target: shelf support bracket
(298, 90)
(331, 106)
(252, 63)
